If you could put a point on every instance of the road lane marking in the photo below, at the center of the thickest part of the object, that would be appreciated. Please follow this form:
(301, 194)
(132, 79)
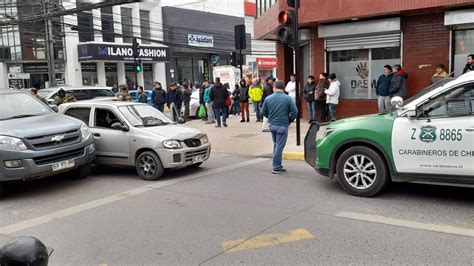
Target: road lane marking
(22, 225)
(448, 229)
(266, 240)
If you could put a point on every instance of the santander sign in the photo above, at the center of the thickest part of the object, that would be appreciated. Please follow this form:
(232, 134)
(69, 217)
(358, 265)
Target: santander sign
(266, 62)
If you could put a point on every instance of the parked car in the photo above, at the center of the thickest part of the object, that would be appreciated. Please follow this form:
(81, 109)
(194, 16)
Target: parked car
(427, 139)
(149, 100)
(80, 93)
(137, 134)
(36, 142)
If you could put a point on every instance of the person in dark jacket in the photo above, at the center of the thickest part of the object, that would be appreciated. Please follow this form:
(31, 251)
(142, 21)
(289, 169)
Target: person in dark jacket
(142, 97)
(398, 85)
(267, 91)
(218, 95)
(401, 72)
(236, 102)
(244, 101)
(174, 100)
(158, 96)
(187, 91)
(320, 98)
(309, 92)
(469, 64)
(382, 88)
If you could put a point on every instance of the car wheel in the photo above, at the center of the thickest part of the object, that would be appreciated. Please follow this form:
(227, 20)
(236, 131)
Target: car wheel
(362, 172)
(81, 172)
(149, 166)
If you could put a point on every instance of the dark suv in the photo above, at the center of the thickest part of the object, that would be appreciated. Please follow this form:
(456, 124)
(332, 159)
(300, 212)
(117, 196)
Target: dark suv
(36, 142)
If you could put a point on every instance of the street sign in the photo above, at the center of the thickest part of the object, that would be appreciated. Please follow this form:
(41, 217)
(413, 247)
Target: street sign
(15, 84)
(18, 75)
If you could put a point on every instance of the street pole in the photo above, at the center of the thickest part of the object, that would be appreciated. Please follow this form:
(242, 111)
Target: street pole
(241, 59)
(49, 42)
(296, 48)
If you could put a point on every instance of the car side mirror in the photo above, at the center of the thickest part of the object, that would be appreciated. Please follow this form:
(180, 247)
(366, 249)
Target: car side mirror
(397, 102)
(120, 126)
(54, 108)
(50, 101)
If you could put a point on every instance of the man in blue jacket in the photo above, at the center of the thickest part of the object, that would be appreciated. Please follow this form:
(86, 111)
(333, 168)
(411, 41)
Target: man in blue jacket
(383, 88)
(280, 110)
(174, 101)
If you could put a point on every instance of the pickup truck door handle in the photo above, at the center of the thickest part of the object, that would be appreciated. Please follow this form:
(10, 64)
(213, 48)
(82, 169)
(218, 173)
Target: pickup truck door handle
(96, 135)
(470, 129)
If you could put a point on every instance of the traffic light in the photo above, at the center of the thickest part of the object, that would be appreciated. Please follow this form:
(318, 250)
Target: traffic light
(138, 66)
(136, 48)
(286, 33)
(240, 38)
(236, 59)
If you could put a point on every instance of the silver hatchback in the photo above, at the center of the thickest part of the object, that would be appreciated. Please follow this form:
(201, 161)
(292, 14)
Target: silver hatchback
(135, 134)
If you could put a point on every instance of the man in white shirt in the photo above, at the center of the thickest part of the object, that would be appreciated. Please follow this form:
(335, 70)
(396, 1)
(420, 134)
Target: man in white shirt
(291, 87)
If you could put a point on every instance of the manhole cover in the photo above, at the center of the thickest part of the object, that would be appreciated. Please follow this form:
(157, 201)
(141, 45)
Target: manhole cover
(246, 135)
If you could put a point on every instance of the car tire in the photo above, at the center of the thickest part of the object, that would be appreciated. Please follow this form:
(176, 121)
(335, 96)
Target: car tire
(149, 166)
(362, 172)
(81, 172)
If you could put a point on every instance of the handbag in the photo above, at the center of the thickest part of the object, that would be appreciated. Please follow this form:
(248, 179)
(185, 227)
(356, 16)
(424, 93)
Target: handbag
(228, 102)
(202, 111)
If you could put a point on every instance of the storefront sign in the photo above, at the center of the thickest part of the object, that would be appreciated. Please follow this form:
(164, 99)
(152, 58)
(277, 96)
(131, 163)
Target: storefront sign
(19, 75)
(15, 83)
(111, 67)
(200, 40)
(42, 68)
(91, 67)
(266, 63)
(95, 51)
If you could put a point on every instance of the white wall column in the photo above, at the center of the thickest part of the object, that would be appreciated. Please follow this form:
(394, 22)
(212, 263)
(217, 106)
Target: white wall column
(73, 73)
(4, 76)
(121, 73)
(159, 74)
(141, 79)
(101, 80)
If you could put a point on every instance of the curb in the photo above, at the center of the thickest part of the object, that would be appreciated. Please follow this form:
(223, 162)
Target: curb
(294, 156)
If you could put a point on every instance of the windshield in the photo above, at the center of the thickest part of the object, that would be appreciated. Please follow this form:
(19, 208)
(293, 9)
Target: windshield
(144, 115)
(18, 105)
(45, 92)
(431, 87)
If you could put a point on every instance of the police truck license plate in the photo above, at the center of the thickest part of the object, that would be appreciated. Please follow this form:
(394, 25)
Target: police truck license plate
(198, 159)
(63, 165)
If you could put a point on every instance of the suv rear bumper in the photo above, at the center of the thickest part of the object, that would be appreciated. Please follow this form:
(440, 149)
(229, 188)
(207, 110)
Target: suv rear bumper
(38, 164)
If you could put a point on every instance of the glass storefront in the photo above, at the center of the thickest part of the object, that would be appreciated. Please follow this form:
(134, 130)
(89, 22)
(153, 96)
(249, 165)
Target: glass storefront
(111, 77)
(130, 75)
(148, 76)
(89, 74)
(358, 70)
(464, 45)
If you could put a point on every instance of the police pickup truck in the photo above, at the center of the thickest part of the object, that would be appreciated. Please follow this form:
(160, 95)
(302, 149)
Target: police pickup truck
(427, 139)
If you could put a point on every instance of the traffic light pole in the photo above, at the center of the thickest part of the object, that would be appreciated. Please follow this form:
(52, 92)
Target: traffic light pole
(241, 59)
(296, 48)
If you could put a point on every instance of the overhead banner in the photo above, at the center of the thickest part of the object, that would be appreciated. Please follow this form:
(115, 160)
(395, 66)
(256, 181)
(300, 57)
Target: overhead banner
(114, 52)
(200, 40)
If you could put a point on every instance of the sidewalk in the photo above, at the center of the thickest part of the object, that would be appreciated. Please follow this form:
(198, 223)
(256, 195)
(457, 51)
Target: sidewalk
(247, 139)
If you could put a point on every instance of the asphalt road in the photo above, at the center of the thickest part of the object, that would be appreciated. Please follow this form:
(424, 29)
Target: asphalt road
(234, 211)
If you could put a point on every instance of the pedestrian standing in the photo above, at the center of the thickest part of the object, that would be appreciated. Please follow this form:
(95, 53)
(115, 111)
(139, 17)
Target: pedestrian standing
(236, 100)
(280, 110)
(187, 91)
(34, 93)
(175, 99)
(439, 74)
(267, 91)
(469, 64)
(400, 71)
(142, 96)
(333, 95)
(256, 94)
(309, 95)
(398, 83)
(382, 89)
(202, 88)
(208, 101)
(291, 87)
(124, 95)
(158, 96)
(218, 96)
(320, 97)
(244, 101)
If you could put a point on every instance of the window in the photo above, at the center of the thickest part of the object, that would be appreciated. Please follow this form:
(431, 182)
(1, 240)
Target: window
(85, 23)
(80, 95)
(105, 118)
(464, 45)
(359, 69)
(145, 26)
(127, 24)
(101, 93)
(81, 113)
(456, 102)
(107, 20)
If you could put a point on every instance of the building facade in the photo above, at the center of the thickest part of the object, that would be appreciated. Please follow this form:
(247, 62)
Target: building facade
(356, 38)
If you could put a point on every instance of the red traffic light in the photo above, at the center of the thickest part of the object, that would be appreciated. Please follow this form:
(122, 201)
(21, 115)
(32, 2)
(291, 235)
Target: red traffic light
(286, 17)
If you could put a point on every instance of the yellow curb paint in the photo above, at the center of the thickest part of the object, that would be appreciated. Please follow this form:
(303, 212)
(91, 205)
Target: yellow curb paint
(266, 240)
(295, 156)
